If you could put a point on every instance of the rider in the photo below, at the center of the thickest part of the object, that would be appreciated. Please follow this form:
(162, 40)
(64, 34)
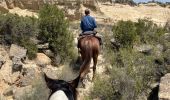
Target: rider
(88, 23)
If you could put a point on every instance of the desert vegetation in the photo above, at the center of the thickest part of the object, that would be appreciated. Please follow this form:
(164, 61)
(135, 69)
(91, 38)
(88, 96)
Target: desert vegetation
(51, 27)
(132, 73)
(19, 30)
(54, 29)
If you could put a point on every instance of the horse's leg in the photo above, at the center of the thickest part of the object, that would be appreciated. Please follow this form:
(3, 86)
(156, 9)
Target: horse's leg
(95, 56)
(83, 74)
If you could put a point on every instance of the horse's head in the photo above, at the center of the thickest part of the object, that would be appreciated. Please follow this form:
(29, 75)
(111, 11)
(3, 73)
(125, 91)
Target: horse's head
(69, 88)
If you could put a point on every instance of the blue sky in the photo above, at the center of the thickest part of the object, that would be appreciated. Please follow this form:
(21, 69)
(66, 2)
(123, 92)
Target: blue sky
(151, 0)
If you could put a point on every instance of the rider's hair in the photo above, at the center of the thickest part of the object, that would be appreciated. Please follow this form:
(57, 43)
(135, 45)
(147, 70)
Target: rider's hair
(87, 12)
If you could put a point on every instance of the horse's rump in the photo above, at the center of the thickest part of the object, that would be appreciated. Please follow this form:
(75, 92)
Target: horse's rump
(89, 47)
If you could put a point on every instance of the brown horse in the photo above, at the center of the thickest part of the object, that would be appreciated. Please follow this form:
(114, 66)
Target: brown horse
(89, 48)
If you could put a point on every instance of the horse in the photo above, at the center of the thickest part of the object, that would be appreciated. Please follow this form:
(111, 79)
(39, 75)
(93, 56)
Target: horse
(62, 89)
(89, 48)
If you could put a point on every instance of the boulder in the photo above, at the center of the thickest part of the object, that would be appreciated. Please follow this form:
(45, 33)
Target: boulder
(42, 60)
(17, 51)
(145, 49)
(17, 64)
(164, 88)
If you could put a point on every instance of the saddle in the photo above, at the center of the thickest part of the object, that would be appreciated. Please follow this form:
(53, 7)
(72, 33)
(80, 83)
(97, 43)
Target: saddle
(89, 33)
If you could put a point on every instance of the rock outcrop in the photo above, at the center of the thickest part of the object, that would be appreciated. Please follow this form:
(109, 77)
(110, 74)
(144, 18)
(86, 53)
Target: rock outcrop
(164, 90)
(17, 51)
(42, 60)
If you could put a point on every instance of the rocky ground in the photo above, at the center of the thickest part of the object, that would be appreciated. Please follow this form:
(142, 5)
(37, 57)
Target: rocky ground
(17, 76)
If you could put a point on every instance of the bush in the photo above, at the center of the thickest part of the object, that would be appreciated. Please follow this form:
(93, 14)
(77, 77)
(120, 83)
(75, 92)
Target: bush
(148, 32)
(103, 89)
(131, 71)
(124, 32)
(19, 30)
(54, 29)
(128, 33)
(136, 73)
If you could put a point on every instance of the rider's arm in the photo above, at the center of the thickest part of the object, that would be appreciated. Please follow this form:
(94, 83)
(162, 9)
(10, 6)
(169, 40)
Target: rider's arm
(94, 23)
(81, 25)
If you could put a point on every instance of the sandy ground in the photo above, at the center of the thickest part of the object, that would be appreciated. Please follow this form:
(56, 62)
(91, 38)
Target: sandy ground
(23, 12)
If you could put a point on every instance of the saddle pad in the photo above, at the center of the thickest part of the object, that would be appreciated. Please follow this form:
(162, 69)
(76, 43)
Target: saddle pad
(88, 32)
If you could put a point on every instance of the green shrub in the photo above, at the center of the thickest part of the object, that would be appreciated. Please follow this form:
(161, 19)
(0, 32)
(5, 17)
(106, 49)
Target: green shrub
(19, 30)
(130, 71)
(31, 47)
(124, 32)
(54, 29)
(103, 89)
(149, 32)
(128, 33)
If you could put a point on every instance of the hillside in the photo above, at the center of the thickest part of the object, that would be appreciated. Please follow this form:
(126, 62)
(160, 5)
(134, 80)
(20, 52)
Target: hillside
(111, 13)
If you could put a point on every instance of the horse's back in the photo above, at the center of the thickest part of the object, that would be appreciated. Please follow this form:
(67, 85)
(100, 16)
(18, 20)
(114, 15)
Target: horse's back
(95, 43)
(91, 39)
(91, 42)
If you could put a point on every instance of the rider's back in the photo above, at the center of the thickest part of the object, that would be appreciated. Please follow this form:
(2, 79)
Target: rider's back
(88, 23)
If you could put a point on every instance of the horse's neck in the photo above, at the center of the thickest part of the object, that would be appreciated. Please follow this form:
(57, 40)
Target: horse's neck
(58, 95)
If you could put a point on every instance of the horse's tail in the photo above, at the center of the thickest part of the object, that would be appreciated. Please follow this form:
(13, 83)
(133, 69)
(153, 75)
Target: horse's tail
(87, 50)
